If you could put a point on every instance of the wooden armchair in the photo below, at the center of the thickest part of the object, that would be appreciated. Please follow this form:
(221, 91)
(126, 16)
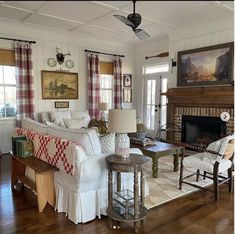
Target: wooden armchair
(212, 162)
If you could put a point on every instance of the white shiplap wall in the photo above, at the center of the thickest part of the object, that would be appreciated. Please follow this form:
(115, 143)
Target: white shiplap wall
(47, 41)
(212, 33)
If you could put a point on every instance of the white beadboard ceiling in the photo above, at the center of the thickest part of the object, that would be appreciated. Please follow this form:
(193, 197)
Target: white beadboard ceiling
(95, 18)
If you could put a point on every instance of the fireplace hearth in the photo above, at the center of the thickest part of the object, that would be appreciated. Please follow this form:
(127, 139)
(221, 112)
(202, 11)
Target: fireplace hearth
(202, 129)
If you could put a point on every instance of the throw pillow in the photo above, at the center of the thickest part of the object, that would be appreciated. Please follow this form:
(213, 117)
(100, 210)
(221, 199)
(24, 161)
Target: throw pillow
(58, 116)
(217, 146)
(229, 150)
(81, 114)
(75, 123)
(107, 142)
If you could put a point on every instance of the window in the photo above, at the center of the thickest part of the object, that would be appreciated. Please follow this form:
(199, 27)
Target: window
(106, 83)
(106, 88)
(7, 91)
(156, 68)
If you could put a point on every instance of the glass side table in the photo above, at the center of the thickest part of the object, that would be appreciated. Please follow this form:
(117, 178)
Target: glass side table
(126, 205)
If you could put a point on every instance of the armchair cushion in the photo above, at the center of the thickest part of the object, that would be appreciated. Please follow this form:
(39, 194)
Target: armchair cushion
(197, 161)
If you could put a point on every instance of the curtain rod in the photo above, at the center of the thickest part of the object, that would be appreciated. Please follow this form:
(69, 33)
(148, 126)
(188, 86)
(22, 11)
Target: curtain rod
(11, 39)
(91, 51)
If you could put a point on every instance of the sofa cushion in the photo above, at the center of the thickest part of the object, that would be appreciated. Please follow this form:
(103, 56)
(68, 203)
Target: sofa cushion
(107, 142)
(33, 125)
(81, 114)
(87, 138)
(75, 123)
(58, 116)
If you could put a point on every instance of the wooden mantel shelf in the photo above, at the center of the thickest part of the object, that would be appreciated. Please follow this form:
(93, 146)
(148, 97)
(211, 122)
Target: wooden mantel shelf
(216, 95)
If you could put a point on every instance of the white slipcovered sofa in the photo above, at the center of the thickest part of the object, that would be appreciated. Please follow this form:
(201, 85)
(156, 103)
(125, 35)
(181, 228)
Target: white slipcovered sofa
(82, 195)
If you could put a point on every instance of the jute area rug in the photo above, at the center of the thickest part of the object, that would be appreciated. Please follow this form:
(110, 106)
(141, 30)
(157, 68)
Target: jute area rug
(165, 187)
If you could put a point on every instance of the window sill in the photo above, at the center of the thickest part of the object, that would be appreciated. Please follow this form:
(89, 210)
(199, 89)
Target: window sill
(7, 118)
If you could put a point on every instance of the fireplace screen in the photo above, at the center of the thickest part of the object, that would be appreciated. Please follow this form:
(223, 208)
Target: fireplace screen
(202, 129)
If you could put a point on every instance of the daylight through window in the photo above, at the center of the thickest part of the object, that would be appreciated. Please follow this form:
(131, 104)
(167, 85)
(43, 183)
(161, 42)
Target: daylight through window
(7, 91)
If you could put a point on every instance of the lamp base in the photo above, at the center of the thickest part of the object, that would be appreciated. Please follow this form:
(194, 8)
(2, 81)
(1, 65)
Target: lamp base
(122, 145)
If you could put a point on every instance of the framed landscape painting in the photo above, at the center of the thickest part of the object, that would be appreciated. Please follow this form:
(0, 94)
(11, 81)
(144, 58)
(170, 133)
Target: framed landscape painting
(212, 65)
(59, 85)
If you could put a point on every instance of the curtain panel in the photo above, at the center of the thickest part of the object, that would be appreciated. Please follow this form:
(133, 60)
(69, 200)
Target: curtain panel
(117, 73)
(93, 85)
(24, 82)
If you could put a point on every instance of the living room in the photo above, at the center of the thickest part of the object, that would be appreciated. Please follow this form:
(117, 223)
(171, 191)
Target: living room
(70, 28)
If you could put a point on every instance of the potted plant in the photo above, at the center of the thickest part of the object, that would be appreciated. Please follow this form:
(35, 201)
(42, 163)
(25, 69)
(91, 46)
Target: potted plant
(141, 131)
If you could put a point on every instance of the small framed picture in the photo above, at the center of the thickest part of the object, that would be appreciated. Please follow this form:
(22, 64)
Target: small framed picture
(127, 80)
(61, 104)
(127, 95)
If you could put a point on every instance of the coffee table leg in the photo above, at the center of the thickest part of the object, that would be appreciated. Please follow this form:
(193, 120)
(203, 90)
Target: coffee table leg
(155, 167)
(176, 161)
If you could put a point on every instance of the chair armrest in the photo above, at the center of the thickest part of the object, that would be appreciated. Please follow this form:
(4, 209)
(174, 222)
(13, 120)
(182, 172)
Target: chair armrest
(197, 148)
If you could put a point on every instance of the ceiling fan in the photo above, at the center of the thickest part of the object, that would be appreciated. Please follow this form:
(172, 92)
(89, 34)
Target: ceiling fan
(134, 20)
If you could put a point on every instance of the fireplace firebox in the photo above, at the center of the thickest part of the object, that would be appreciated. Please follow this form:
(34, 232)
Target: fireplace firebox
(202, 129)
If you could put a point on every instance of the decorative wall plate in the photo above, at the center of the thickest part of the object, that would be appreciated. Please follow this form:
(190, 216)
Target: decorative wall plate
(51, 62)
(69, 64)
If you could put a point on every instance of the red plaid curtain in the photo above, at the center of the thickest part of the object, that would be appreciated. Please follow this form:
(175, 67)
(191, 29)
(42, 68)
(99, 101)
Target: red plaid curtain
(117, 70)
(24, 82)
(93, 85)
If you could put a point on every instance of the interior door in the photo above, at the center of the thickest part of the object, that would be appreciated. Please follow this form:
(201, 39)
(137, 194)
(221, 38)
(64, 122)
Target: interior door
(152, 89)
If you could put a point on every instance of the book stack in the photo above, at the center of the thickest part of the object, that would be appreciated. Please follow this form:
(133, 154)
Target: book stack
(144, 142)
(22, 147)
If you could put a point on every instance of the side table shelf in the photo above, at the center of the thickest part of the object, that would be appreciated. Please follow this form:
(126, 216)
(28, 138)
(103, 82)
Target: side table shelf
(126, 205)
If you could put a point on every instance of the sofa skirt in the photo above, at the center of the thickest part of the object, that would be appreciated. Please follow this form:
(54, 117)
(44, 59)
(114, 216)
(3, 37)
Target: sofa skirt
(81, 207)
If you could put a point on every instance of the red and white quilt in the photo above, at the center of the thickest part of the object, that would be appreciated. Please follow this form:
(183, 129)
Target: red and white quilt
(53, 150)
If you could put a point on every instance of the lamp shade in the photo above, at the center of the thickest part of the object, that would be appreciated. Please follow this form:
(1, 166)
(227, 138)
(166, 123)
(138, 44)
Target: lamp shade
(122, 121)
(103, 106)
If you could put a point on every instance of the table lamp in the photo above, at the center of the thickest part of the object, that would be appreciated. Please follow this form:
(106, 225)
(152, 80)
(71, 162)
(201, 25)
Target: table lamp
(122, 122)
(102, 106)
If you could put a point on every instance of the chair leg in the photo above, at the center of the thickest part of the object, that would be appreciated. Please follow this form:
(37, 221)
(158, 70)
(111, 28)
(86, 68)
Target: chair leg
(216, 181)
(204, 175)
(181, 172)
(230, 179)
(197, 176)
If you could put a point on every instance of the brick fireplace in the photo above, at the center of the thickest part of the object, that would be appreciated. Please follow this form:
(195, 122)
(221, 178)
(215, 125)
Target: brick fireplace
(199, 102)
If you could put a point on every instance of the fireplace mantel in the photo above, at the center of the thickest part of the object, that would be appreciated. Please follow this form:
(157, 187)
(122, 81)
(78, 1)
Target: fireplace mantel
(199, 101)
(222, 96)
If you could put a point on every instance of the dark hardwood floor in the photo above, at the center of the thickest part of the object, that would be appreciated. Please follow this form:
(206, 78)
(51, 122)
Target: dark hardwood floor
(196, 213)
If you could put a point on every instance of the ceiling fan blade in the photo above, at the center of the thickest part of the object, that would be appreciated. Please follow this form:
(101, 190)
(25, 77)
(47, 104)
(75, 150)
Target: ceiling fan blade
(141, 34)
(124, 20)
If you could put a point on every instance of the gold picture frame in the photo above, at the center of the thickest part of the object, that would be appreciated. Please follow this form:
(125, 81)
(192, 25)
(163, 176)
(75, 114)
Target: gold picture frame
(61, 104)
(59, 85)
(211, 65)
